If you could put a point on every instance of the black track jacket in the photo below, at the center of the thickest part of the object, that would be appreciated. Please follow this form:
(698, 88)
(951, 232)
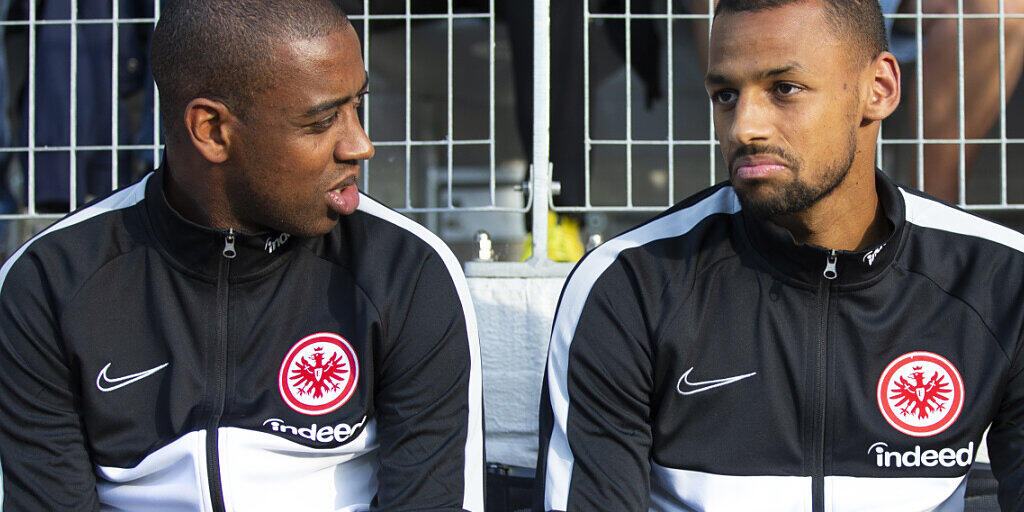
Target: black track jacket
(147, 363)
(704, 361)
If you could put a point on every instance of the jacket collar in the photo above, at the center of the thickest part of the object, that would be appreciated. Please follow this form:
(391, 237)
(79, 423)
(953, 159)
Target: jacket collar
(200, 249)
(806, 263)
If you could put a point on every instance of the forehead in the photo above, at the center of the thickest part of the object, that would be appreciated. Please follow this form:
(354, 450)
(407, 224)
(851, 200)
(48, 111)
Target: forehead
(797, 34)
(308, 71)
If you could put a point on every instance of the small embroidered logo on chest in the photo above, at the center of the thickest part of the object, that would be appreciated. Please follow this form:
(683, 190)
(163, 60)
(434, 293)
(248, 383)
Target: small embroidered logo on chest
(319, 374)
(273, 243)
(869, 258)
(920, 394)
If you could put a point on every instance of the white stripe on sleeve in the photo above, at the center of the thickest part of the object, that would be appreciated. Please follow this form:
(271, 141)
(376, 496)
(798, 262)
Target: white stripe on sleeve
(559, 456)
(473, 497)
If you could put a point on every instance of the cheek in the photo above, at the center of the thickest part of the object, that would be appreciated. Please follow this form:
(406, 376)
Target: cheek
(723, 126)
(815, 130)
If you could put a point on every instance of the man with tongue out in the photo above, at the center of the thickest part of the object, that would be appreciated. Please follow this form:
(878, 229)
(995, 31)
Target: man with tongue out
(777, 341)
(242, 329)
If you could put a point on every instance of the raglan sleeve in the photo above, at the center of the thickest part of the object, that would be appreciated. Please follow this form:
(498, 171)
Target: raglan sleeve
(43, 455)
(1006, 438)
(429, 402)
(595, 434)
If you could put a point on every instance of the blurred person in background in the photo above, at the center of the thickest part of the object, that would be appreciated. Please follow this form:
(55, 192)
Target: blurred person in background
(941, 91)
(93, 83)
(7, 202)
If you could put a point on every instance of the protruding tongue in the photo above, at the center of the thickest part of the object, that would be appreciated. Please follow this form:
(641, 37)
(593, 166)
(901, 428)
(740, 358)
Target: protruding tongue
(344, 202)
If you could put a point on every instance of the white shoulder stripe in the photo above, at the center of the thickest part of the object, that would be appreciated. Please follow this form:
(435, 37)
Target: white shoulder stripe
(932, 214)
(473, 498)
(118, 201)
(577, 289)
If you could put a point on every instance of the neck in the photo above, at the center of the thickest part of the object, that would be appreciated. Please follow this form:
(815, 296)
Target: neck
(848, 219)
(193, 196)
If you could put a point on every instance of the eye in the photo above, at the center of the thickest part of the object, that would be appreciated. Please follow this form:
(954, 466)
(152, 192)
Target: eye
(787, 89)
(324, 124)
(724, 97)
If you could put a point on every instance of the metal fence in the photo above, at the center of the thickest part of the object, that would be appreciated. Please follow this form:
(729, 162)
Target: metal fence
(674, 22)
(450, 150)
(29, 146)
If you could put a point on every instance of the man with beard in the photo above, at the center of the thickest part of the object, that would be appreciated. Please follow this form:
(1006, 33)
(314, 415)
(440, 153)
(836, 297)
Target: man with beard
(806, 336)
(242, 329)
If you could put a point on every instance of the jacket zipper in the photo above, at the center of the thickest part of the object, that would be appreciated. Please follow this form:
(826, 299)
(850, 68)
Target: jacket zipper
(821, 384)
(218, 363)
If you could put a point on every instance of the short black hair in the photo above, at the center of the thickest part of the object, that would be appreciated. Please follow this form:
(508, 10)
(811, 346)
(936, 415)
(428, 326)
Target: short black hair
(859, 21)
(221, 49)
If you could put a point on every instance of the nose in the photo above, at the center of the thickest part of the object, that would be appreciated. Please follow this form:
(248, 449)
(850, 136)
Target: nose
(751, 120)
(354, 144)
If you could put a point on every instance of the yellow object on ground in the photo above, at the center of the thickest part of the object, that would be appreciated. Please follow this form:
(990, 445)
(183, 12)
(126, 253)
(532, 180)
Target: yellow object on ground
(564, 241)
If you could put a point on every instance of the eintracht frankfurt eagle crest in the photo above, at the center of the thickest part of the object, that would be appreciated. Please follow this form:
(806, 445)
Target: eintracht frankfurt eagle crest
(920, 394)
(319, 374)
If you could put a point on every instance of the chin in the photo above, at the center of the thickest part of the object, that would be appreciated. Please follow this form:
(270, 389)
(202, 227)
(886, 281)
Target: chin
(766, 202)
(311, 228)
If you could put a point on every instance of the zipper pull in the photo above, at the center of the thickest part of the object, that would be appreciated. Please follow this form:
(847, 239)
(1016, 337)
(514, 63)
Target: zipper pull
(830, 266)
(229, 245)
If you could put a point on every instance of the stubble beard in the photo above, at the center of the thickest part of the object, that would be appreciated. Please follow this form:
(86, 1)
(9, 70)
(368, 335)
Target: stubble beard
(797, 196)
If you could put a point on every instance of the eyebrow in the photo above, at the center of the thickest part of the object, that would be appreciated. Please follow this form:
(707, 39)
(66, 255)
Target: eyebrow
(715, 78)
(333, 104)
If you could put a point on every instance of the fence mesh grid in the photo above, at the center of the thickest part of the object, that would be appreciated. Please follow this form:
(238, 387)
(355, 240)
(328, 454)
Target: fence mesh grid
(423, 173)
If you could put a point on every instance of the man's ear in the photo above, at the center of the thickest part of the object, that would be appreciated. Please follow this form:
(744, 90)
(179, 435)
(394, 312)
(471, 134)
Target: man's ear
(210, 126)
(884, 97)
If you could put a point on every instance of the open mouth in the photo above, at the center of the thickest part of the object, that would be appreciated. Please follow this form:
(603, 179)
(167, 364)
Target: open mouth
(343, 199)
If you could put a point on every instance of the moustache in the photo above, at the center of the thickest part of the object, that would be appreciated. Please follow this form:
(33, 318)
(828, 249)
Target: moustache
(763, 149)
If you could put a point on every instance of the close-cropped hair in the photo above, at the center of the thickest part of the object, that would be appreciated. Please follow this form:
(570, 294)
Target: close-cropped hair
(222, 49)
(858, 21)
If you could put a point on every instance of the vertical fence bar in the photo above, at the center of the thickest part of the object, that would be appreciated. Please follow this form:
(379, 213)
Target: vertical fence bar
(670, 91)
(451, 107)
(541, 126)
(962, 128)
(73, 129)
(629, 103)
(711, 109)
(919, 36)
(366, 98)
(1002, 102)
(32, 30)
(115, 13)
(156, 104)
(408, 101)
(880, 141)
(490, 102)
(587, 146)
(878, 149)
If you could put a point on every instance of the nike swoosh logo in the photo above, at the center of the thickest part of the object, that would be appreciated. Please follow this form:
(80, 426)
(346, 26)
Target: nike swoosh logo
(696, 387)
(120, 382)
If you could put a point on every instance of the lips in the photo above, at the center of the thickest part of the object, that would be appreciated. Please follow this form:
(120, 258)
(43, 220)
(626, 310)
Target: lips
(758, 171)
(344, 199)
(755, 167)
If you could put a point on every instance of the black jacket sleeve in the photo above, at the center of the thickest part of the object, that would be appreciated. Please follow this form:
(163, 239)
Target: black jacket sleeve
(595, 432)
(429, 397)
(43, 454)
(1006, 440)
